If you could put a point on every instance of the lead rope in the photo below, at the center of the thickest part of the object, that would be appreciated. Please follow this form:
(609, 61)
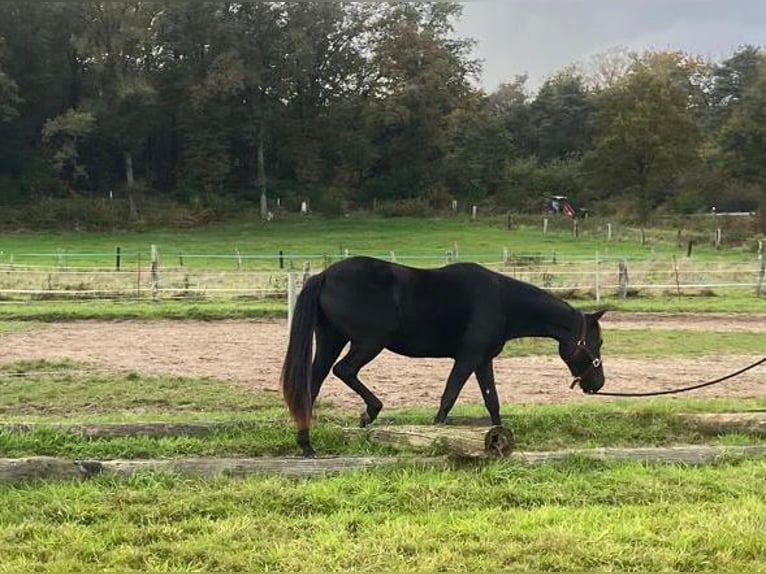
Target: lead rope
(684, 389)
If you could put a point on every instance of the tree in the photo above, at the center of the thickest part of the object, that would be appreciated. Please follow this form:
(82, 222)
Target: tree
(607, 68)
(561, 116)
(743, 136)
(478, 149)
(63, 134)
(116, 43)
(730, 80)
(9, 92)
(510, 104)
(422, 78)
(646, 133)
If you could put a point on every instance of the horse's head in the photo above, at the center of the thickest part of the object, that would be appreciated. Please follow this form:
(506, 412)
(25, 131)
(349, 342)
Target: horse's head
(582, 353)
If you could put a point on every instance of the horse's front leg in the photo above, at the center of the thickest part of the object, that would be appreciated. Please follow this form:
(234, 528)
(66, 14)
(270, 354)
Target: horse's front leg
(459, 374)
(485, 374)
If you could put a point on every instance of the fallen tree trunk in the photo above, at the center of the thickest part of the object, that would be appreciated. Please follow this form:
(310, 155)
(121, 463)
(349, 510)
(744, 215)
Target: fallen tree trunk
(51, 468)
(748, 422)
(692, 454)
(461, 442)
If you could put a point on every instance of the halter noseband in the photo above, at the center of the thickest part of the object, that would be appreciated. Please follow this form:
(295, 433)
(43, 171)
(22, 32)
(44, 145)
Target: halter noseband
(595, 362)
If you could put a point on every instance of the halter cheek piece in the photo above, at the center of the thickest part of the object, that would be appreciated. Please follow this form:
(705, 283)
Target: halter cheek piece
(582, 347)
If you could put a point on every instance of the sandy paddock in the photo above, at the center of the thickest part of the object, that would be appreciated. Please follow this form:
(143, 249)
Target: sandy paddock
(250, 353)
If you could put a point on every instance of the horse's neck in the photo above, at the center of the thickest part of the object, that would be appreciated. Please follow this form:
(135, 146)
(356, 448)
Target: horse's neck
(537, 313)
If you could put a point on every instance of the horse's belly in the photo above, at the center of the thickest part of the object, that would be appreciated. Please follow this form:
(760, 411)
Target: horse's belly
(421, 344)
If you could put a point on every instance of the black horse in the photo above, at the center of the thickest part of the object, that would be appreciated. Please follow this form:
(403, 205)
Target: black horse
(462, 311)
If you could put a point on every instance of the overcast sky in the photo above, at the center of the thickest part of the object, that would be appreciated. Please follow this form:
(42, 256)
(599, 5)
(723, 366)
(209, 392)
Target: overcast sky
(540, 37)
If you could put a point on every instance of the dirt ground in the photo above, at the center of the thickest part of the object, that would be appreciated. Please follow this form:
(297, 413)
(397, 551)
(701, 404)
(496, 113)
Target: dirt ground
(251, 352)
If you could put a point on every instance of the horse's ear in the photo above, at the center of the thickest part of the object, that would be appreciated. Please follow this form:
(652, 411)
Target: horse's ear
(595, 316)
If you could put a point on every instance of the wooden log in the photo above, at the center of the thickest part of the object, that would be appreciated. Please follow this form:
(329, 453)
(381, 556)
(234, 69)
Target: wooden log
(124, 429)
(753, 422)
(50, 468)
(458, 441)
(692, 455)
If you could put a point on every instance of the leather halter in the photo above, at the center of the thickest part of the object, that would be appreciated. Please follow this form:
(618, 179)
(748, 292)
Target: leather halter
(582, 347)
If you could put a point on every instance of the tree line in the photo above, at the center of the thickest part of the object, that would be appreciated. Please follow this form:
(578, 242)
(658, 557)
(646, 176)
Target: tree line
(344, 105)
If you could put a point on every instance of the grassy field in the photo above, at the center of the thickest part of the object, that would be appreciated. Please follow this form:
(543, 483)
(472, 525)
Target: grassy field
(416, 241)
(232, 270)
(571, 515)
(575, 514)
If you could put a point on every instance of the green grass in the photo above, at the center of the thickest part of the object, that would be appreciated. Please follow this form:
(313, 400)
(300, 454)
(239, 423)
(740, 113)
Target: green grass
(573, 515)
(656, 343)
(422, 241)
(50, 311)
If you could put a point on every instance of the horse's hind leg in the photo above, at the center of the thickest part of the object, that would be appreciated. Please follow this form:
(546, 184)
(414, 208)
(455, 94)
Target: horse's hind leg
(486, 376)
(329, 345)
(347, 370)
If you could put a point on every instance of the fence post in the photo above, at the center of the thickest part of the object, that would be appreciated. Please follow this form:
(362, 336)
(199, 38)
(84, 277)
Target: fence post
(608, 231)
(138, 274)
(292, 296)
(306, 272)
(623, 279)
(761, 273)
(117, 261)
(239, 260)
(473, 213)
(545, 225)
(598, 279)
(718, 238)
(675, 274)
(574, 227)
(155, 272)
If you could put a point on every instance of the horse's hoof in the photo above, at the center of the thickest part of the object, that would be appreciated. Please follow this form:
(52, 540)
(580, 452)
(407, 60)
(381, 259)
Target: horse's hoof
(364, 419)
(308, 453)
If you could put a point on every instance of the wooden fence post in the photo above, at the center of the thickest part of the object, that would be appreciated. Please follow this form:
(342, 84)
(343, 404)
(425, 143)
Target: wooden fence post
(598, 279)
(292, 296)
(155, 272)
(761, 273)
(138, 274)
(545, 225)
(623, 279)
(117, 261)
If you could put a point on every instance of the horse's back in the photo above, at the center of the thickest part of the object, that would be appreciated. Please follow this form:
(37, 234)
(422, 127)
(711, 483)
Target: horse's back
(415, 312)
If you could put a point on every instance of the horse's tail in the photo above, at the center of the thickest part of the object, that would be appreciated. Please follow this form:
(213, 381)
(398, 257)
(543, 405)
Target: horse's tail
(296, 371)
